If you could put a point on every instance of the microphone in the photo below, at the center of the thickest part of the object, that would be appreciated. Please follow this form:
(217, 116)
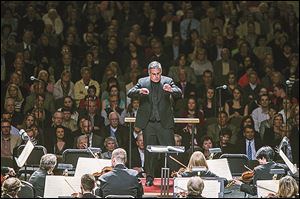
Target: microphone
(222, 87)
(288, 82)
(32, 78)
(23, 134)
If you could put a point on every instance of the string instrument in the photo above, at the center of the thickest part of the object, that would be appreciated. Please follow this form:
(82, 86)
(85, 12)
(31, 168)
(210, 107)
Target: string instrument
(181, 194)
(246, 177)
(105, 169)
(180, 171)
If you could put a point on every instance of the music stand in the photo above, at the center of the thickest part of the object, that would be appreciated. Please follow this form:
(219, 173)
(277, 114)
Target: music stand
(165, 171)
(70, 156)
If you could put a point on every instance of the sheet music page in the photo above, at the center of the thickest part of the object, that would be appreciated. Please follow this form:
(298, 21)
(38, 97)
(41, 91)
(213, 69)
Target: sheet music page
(220, 167)
(288, 162)
(211, 187)
(61, 186)
(25, 154)
(90, 166)
(269, 185)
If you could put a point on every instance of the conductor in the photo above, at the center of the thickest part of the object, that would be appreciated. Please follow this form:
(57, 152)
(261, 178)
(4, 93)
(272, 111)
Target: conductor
(155, 115)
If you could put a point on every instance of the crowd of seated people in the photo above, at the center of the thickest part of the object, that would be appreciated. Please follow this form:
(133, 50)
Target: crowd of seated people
(66, 69)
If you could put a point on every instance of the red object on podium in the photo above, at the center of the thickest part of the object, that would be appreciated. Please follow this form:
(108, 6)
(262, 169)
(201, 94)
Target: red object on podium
(155, 189)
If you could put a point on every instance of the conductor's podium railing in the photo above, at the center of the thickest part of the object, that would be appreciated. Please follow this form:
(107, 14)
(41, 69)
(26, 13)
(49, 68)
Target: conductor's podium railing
(131, 120)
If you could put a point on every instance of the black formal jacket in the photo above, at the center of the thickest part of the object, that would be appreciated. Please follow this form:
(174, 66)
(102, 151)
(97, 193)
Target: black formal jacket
(261, 172)
(241, 145)
(164, 104)
(121, 181)
(122, 135)
(38, 179)
(89, 195)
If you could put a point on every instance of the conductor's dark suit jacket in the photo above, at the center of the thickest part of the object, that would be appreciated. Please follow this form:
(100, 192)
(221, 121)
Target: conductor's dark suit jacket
(164, 105)
(122, 180)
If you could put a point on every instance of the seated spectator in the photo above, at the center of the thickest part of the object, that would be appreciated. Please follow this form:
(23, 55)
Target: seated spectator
(223, 143)
(13, 91)
(195, 187)
(138, 156)
(63, 87)
(10, 188)
(8, 141)
(38, 178)
(120, 180)
(113, 107)
(110, 144)
(113, 91)
(205, 144)
(69, 103)
(82, 142)
(80, 90)
(90, 96)
(61, 143)
(69, 122)
(116, 130)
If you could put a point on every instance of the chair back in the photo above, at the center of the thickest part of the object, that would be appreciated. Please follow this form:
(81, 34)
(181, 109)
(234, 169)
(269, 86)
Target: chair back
(237, 163)
(27, 190)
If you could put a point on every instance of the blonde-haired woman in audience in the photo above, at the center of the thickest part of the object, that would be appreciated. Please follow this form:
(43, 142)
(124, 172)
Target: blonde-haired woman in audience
(14, 91)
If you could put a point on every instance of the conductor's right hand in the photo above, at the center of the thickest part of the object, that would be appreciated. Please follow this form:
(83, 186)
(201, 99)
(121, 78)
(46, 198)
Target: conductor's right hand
(144, 91)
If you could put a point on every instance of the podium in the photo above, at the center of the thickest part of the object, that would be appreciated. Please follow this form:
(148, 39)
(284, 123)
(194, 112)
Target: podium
(165, 171)
(131, 120)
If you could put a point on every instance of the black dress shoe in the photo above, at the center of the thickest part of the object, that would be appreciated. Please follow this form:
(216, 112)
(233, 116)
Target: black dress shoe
(149, 181)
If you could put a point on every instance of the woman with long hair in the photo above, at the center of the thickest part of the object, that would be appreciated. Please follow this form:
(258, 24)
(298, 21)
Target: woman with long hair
(14, 91)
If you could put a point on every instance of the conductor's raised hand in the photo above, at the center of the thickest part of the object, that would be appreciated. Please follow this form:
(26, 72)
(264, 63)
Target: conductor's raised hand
(144, 91)
(167, 88)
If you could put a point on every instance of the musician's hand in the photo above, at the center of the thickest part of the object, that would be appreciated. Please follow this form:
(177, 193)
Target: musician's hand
(144, 91)
(167, 88)
(237, 182)
(11, 172)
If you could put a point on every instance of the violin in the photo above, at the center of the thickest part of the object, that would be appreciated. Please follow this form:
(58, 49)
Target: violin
(76, 195)
(247, 176)
(103, 171)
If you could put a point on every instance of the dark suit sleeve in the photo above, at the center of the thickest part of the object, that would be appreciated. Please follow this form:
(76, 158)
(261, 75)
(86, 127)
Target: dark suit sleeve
(176, 90)
(135, 91)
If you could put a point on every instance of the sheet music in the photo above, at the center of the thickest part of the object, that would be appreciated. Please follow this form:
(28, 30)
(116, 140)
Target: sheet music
(211, 187)
(269, 185)
(61, 186)
(90, 165)
(220, 167)
(25, 154)
(288, 162)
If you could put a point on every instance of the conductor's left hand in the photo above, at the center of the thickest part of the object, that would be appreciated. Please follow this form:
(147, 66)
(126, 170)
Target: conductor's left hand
(167, 88)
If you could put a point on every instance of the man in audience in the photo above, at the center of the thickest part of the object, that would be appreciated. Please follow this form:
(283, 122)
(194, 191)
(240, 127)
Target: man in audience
(138, 155)
(110, 144)
(120, 180)
(8, 142)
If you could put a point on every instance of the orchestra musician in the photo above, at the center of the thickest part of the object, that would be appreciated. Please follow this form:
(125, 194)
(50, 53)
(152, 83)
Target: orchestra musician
(10, 188)
(38, 178)
(265, 157)
(87, 185)
(120, 179)
(195, 187)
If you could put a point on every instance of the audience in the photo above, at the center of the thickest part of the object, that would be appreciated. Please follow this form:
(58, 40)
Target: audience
(79, 54)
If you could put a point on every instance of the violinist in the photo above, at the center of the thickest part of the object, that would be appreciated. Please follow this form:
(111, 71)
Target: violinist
(265, 157)
(120, 180)
(10, 188)
(38, 178)
(195, 187)
(197, 160)
(87, 185)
